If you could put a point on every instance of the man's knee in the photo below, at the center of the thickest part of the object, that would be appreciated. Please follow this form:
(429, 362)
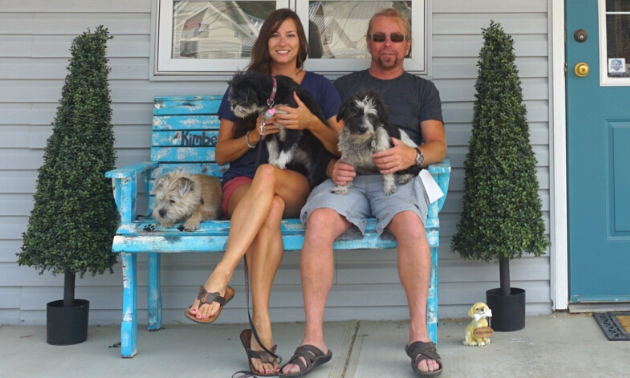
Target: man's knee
(407, 225)
(325, 223)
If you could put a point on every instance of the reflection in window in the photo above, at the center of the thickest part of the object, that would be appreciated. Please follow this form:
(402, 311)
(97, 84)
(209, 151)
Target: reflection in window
(217, 29)
(337, 28)
(618, 37)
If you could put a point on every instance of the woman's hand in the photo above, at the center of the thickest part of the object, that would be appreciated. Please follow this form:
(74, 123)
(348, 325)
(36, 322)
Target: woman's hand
(270, 128)
(299, 118)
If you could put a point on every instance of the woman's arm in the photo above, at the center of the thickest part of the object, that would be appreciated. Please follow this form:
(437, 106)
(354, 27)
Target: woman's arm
(229, 148)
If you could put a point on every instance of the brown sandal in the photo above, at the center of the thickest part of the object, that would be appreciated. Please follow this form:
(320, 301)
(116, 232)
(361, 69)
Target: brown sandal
(419, 351)
(206, 298)
(265, 357)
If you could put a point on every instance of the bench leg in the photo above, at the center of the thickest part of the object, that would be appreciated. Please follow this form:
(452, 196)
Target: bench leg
(154, 292)
(432, 300)
(129, 326)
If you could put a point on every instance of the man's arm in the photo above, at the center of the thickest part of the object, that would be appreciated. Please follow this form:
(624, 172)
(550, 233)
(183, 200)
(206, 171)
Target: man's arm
(402, 156)
(434, 147)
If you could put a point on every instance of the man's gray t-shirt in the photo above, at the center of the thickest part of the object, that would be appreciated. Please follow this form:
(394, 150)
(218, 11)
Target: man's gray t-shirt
(410, 99)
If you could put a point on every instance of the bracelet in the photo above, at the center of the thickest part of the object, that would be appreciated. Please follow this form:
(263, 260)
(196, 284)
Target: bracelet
(247, 140)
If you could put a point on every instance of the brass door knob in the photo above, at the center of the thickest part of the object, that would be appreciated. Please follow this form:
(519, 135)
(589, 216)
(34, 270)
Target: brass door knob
(581, 69)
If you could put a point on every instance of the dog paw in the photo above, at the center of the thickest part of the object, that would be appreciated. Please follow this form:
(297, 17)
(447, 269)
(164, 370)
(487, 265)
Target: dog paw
(390, 190)
(340, 190)
(404, 179)
(191, 226)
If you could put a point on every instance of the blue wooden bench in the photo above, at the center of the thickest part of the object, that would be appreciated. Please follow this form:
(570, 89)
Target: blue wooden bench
(185, 131)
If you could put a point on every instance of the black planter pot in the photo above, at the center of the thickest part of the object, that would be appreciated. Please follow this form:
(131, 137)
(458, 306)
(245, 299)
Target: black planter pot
(508, 311)
(67, 325)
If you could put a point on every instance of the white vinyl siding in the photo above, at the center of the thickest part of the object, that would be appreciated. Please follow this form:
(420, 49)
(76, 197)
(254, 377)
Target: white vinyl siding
(35, 38)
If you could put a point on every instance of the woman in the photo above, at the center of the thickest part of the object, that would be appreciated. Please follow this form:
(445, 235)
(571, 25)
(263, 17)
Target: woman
(257, 198)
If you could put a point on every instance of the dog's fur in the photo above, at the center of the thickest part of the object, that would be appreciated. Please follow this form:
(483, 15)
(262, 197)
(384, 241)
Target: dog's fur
(298, 150)
(182, 196)
(367, 130)
(479, 312)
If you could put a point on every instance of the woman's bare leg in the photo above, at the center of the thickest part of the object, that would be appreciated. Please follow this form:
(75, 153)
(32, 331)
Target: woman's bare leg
(247, 220)
(263, 261)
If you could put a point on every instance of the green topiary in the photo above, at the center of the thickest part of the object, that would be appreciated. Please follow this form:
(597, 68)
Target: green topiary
(502, 216)
(74, 218)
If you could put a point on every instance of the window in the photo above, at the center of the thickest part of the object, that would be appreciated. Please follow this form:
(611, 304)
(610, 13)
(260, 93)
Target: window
(208, 37)
(614, 42)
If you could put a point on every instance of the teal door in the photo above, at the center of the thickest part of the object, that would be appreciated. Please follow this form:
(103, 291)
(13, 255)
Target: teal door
(598, 132)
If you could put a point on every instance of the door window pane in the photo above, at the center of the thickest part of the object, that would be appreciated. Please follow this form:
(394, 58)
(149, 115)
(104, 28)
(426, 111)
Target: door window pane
(618, 37)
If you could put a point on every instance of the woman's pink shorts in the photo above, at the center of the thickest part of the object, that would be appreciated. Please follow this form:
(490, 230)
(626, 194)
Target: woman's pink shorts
(230, 187)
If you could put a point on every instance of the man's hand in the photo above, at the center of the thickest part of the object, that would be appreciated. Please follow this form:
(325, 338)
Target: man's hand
(396, 158)
(341, 173)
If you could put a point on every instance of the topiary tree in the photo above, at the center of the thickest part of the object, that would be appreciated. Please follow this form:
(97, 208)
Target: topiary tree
(502, 216)
(74, 218)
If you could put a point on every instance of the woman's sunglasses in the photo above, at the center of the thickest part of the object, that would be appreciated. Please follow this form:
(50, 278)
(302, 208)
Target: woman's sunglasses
(394, 37)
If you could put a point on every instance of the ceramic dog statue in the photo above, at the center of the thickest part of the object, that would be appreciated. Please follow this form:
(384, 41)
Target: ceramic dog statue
(477, 331)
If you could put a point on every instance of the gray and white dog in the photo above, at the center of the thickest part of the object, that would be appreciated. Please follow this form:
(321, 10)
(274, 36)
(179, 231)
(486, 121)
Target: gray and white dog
(298, 150)
(367, 130)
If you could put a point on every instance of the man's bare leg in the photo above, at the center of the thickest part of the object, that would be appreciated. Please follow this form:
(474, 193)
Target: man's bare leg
(317, 268)
(414, 270)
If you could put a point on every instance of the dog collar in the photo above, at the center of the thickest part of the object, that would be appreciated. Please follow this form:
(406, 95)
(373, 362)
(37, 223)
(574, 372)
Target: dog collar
(270, 101)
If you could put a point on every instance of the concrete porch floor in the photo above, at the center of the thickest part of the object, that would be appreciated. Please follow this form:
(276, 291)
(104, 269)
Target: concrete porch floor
(557, 345)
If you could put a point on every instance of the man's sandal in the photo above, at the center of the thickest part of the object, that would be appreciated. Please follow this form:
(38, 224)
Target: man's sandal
(207, 298)
(313, 356)
(264, 356)
(419, 351)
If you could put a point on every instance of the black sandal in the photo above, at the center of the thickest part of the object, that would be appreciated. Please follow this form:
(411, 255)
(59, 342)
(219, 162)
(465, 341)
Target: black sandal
(419, 351)
(313, 356)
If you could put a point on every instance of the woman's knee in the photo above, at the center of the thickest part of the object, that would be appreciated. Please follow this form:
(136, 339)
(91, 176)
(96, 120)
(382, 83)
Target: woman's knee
(272, 222)
(265, 174)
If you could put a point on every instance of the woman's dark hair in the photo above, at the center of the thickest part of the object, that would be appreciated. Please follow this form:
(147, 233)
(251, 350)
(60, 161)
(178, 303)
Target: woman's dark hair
(261, 58)
(260, 50)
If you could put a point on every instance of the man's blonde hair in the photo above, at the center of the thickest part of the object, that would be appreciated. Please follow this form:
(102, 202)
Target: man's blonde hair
(394, 13)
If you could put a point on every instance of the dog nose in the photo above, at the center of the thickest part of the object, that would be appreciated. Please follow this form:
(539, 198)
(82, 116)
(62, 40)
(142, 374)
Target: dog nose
(162, 213)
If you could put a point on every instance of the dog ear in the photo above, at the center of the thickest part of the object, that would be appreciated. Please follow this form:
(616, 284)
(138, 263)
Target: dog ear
(158, 184)
(185, 185)
(342, 110)
(471, 313)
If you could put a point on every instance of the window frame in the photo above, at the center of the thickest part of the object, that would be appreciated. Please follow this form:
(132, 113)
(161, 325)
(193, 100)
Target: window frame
(163, 67)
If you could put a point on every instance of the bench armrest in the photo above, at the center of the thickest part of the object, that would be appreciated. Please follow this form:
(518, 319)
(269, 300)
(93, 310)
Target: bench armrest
(441, 173)
(125, 186)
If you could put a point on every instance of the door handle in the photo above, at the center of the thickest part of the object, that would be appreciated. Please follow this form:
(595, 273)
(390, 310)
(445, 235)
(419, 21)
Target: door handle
(581, 69)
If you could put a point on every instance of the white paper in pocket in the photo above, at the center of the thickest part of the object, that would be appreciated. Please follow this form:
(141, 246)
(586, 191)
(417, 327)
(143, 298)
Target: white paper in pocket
(433, 190)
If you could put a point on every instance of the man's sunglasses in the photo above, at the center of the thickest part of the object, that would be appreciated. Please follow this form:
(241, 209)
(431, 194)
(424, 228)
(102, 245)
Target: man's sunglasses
(394, 37)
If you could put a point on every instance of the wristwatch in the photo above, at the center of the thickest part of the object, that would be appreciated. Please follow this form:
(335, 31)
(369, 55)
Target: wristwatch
(419, 158)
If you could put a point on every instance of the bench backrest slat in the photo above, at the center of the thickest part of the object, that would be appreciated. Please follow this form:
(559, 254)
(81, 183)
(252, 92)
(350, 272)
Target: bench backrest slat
(184, 136)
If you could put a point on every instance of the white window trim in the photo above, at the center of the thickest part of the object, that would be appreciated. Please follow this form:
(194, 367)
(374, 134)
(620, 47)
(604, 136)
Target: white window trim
(163, 67)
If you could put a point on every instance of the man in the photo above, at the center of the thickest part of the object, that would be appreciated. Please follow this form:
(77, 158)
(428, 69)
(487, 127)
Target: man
(414, 105)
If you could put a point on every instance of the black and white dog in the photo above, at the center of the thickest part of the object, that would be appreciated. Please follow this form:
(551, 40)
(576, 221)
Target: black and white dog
(367, 130)
(252, 93)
